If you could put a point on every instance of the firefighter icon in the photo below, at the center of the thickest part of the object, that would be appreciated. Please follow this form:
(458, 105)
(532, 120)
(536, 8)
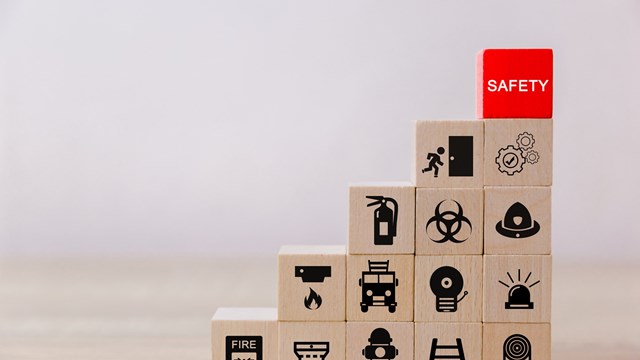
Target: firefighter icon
(378, 286)
(380, 346)
(385, 220)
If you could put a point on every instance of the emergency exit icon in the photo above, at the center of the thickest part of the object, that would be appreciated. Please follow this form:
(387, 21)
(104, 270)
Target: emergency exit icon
(460, 157)
(385, 219)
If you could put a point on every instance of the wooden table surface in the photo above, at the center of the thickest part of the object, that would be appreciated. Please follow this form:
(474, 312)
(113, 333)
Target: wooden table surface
(159, 308)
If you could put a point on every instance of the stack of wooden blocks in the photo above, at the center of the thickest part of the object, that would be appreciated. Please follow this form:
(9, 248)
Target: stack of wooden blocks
(455, 265)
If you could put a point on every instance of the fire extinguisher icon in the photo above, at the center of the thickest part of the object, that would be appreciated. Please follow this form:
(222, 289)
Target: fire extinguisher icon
(385, 220)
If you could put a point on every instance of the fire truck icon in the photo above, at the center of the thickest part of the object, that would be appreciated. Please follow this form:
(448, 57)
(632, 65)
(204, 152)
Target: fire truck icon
(378, 286)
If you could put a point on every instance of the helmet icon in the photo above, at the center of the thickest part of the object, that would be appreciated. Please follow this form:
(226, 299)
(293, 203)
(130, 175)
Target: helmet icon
(380, 346)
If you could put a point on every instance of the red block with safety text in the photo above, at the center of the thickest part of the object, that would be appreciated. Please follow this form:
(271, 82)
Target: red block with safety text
(514, 83)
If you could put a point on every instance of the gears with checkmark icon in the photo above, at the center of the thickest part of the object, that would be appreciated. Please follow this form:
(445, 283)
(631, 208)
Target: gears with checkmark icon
(511, 159)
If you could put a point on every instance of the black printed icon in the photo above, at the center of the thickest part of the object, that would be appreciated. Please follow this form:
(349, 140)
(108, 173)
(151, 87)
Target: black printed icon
(378, 286)
(312, 274)
(385, 220)
(511, 159)
(449, 224)
(517, 223)
(380, 346)
(311, 349)
(516, 347)
(313, 301)
(243, 348)
(460, 157)
(434, 162)
(519, 294)
(447, 283)
(447, 349)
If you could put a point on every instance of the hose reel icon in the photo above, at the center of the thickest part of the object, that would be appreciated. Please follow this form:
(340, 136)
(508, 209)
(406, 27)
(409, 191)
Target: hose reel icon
(517, 347)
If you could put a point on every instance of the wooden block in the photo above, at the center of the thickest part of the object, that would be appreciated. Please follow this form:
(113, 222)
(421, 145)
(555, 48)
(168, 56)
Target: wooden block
(514, 83)
(448, 288)
(449, 221)
(311, 283)
(517, 288)
(516, 341)
(311, 340)
(380, 340)
(518, 152)
(244, 333)
(517, 220)
(448, 154)
(380, 288)
(457, 340)
(381, 218)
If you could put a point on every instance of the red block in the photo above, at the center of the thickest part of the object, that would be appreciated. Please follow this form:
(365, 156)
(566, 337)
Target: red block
(514, 83)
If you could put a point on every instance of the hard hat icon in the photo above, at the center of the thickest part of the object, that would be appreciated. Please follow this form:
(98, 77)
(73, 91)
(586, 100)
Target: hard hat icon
(517, 223)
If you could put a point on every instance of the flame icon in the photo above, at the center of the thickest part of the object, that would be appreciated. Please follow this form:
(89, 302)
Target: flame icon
(313, 300)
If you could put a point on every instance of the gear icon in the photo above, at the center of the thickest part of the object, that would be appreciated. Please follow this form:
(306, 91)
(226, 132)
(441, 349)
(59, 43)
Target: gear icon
(510, 160)
(525, 141)
(532, 156)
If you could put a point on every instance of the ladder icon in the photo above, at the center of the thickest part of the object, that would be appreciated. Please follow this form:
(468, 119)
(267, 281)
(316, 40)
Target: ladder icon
(449, 354)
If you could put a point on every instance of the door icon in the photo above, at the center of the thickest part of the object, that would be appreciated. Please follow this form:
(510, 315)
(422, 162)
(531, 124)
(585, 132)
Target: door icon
(460, 155)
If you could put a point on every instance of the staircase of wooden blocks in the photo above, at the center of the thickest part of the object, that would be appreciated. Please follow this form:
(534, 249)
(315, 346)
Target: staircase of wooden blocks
(455, 265)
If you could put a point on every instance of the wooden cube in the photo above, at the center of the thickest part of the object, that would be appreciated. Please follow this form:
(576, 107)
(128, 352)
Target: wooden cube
(518, 152)
(381, 218)
(516, 341)
(449, 341)
(449, 221)
(311, 283)
(244, 333)
(514, 83)
(380, 288)
(517, 288)
(311, 340)
(380, 340)
(517, 220)
(448, 154)
(448, 288)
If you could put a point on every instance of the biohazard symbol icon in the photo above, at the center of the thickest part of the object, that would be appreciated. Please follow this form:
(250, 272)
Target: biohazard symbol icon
(449, 224)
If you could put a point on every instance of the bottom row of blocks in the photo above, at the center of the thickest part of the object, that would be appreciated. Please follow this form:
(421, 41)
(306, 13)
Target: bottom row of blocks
(243, 334)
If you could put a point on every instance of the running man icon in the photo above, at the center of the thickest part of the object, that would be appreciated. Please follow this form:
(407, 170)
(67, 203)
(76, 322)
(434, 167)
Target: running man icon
(434, 162)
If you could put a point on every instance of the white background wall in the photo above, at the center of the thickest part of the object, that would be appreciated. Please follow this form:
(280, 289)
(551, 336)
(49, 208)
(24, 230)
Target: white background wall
(213, 127)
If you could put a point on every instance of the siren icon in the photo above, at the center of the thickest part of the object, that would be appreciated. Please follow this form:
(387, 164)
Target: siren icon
(516, 347)
(446, 283)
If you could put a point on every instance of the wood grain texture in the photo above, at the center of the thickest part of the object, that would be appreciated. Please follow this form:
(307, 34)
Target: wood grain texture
(359, 335)
(255, 322)
(333, 333)
(535, 159)
(402, 266)
(302, 296)
(502, 272)
(131, 308)
(497, 336)
(470, 335)
(469, 309)
(363, 220)
(432, 134)
(471, 207)
(498, 201)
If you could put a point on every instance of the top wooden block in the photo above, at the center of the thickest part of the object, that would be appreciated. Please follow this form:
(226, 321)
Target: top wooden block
(514, 83)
